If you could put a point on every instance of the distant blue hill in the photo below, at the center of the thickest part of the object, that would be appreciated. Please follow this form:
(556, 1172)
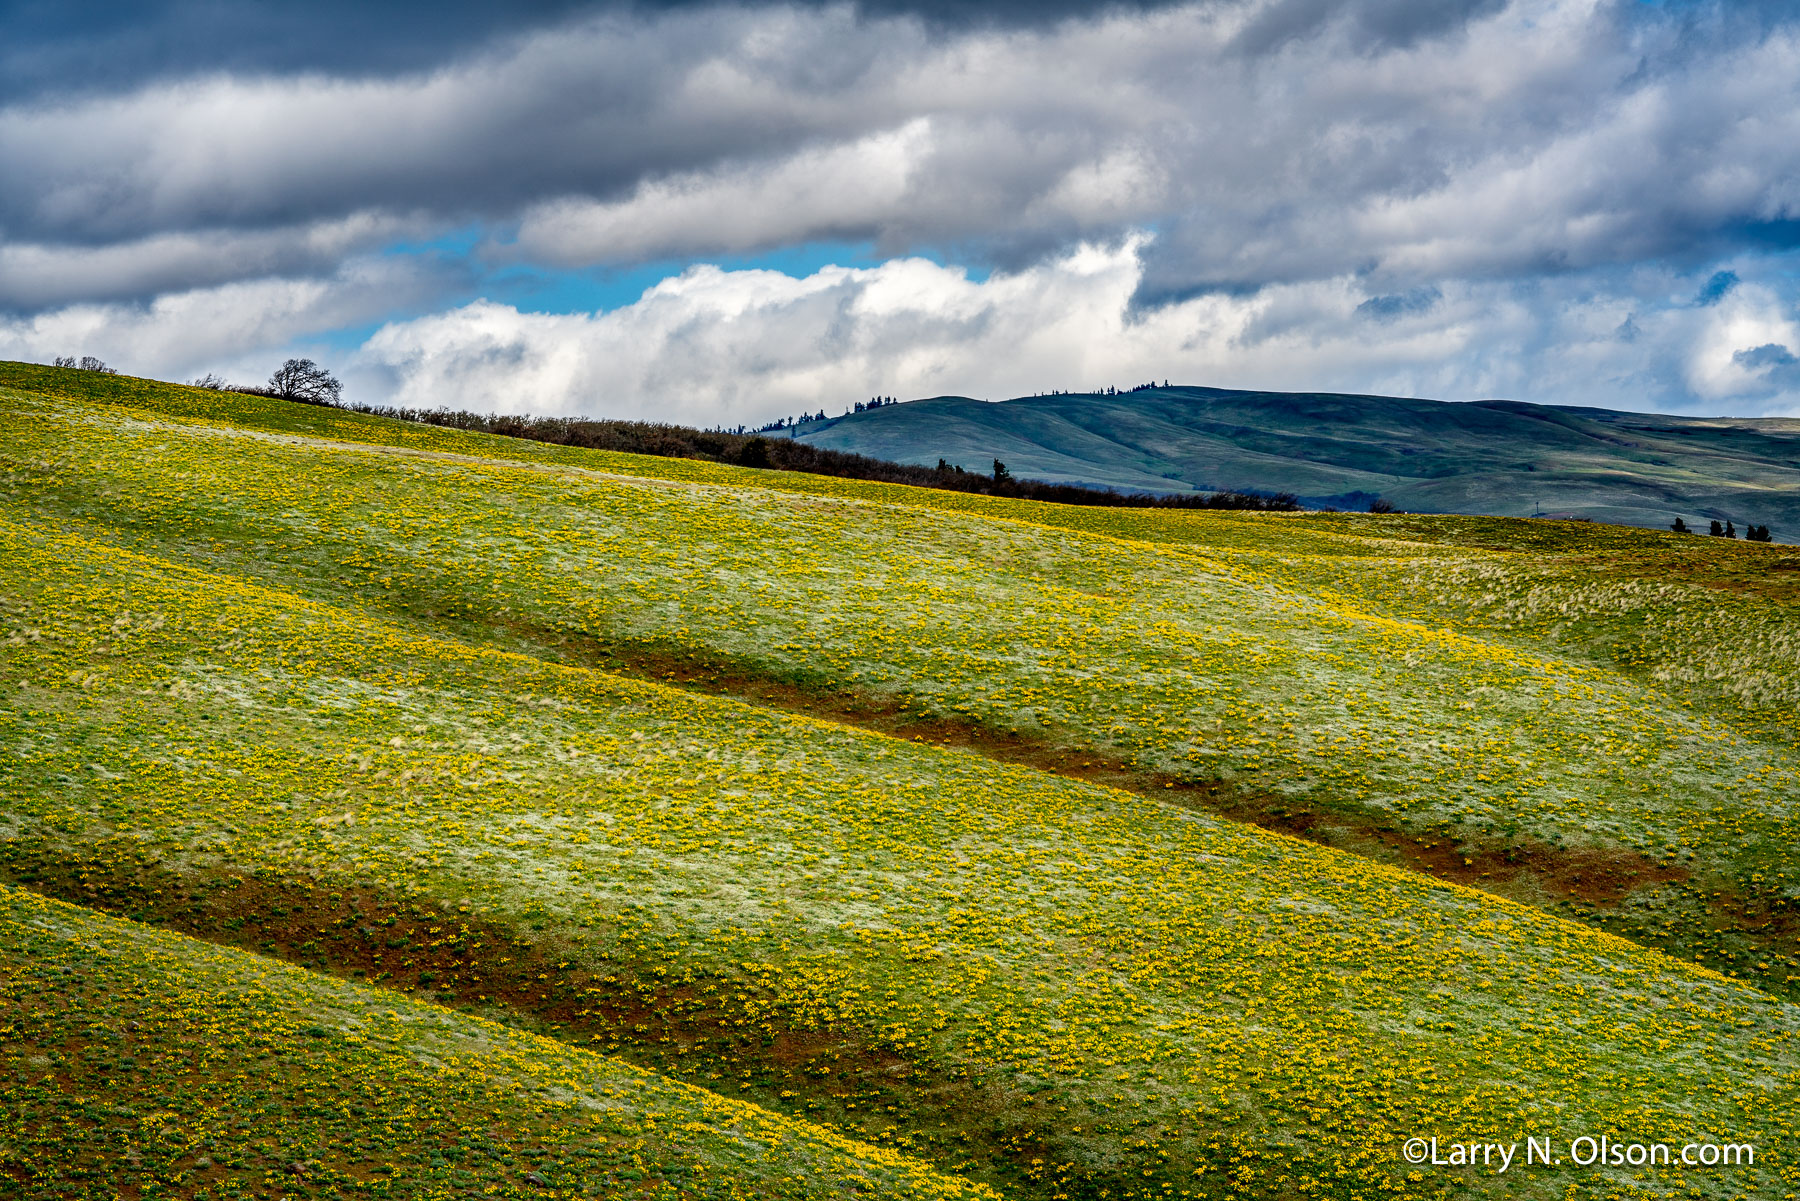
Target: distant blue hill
(1499, 457)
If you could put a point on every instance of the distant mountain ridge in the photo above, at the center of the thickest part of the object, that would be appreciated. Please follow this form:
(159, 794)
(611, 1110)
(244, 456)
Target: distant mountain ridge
(1501, 457)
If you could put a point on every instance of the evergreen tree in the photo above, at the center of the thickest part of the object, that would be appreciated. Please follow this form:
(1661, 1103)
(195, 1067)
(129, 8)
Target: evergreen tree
(1681, 527)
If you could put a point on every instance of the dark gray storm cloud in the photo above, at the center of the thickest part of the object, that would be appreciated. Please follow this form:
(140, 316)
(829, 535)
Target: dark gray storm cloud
(58, 47)
(1393, 154)
(1268, 140)
(53, 47)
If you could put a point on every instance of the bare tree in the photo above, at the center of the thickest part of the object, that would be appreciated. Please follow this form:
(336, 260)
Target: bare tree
(208, 381)
(87, 362)
(305, 381)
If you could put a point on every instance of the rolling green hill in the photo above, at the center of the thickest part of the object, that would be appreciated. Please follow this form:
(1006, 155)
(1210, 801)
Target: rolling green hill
(1505, 458)
(925, 822)
(136, 1062)
(1054, 986)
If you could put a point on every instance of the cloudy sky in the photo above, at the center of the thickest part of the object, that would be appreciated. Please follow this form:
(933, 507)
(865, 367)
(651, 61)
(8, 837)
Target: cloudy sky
(724, 214)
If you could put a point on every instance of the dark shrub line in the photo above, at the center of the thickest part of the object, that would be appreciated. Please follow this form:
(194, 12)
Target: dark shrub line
(1752, 533)
(784, 454)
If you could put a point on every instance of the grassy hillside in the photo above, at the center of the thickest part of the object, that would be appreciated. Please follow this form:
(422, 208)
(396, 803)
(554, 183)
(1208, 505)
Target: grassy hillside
(141, 1063)
(1071, 988)
(360, 695)
(1495, 457)
(1264, 666)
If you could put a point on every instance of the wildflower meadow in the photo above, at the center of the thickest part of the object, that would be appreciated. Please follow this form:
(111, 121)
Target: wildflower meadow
(487, 775)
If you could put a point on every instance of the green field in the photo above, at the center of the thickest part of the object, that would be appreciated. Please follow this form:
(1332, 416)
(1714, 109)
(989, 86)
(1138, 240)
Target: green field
(916, 819)
(138, 1061)
(1498, 457)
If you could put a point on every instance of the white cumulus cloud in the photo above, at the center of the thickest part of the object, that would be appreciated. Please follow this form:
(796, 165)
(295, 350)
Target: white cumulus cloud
(743, 347)
(241, 329)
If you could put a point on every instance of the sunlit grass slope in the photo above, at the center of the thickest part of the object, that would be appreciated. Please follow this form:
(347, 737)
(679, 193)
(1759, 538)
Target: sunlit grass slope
(1722, 645)
(1701, 617)
(135, 1062)
(1467, 690)
(1077, 990)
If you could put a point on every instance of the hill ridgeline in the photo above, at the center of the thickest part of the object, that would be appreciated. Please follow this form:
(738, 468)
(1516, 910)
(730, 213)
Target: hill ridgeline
(1504, 458)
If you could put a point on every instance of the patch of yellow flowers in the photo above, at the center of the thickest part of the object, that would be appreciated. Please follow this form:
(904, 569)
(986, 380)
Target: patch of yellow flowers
(138, 1062)
(1298, 661)
(1193, 1008)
